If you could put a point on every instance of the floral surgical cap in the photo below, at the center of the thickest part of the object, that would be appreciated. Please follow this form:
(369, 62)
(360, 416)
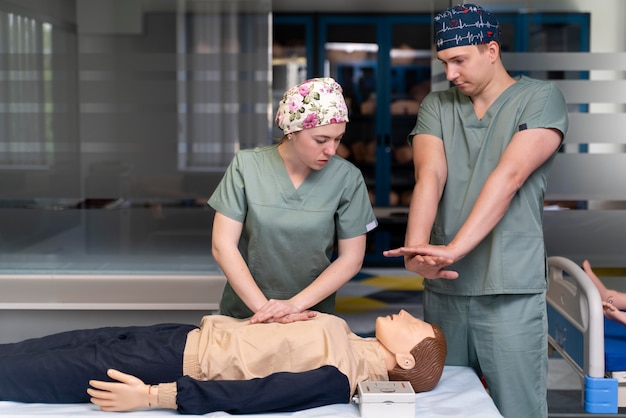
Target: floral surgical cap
(465, 24)
(315, 102)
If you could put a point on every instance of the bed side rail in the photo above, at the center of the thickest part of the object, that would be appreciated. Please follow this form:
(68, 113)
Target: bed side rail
(572, 294)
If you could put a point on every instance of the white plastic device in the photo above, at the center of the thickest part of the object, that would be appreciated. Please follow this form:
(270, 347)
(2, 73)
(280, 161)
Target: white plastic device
(386, 399)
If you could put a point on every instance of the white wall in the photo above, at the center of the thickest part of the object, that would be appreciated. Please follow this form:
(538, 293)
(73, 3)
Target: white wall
(608, 34)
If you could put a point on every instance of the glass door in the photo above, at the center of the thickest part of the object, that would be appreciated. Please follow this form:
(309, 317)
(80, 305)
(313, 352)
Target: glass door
(383, 64)
(410, 58)
(349, 52)
(292, 56)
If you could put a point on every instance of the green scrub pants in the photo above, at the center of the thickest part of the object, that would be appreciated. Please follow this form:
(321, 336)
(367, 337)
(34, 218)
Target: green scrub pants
(504, 338)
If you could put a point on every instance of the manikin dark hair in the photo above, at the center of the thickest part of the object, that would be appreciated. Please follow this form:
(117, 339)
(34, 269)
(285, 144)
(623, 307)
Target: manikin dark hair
(430, 356)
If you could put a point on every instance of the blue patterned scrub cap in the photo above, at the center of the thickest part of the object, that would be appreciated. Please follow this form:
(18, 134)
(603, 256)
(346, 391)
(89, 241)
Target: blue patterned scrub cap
(314, 102)
(465, 24)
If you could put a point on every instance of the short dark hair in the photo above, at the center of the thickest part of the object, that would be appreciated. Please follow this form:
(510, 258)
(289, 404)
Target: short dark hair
(430, 356)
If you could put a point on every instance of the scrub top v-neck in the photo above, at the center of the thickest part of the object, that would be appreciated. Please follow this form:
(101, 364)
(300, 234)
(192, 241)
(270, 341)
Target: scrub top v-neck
(473, 149)
(289, 234)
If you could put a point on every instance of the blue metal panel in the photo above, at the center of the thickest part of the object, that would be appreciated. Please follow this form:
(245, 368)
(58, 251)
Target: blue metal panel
(308, 23)
(566, 336)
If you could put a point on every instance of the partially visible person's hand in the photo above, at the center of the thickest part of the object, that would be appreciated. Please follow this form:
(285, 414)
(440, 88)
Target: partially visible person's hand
(127, 394)
(430, 268)
(614, 314)
(611, 311)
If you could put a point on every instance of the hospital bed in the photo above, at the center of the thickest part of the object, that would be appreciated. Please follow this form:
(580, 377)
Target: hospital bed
(594, 346)
(33, 305)
(458, 394)
(97, 293)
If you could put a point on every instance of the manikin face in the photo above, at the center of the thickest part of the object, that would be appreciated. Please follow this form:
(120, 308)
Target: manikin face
(469, 67)
(314, 147)
(400, 332)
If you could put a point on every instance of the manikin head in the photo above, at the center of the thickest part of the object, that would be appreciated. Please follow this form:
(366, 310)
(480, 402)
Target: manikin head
(418, 348)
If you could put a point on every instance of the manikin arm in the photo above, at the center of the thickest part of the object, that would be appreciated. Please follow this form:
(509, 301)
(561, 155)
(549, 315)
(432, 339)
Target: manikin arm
(278, 392)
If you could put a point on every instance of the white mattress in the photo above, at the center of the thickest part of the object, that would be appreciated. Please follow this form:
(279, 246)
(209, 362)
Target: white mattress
(458, 394)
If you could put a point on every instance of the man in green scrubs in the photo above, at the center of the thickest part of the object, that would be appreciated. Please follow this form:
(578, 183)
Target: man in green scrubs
(482, 151)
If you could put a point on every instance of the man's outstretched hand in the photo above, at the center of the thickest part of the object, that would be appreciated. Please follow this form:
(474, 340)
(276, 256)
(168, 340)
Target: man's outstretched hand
(429, 261)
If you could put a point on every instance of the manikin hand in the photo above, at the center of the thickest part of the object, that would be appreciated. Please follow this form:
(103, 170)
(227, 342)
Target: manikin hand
(282, 311)
(127, 394)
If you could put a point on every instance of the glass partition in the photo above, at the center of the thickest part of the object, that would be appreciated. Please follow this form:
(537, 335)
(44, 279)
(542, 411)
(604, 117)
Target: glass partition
(117, 122)
(118, 119)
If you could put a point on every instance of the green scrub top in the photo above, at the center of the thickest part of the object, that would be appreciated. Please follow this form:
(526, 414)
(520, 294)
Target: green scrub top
(512, 258)
(289, 234)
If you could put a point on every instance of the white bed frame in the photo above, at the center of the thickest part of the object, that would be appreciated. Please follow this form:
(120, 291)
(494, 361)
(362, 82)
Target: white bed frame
(574, 300)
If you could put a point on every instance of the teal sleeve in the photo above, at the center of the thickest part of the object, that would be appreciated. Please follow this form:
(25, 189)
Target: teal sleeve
(428, 118)
(229, 198)
(547, 109)
(355, 215)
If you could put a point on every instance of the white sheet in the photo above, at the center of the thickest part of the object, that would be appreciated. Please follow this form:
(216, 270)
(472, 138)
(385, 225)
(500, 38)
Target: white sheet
(459, 394)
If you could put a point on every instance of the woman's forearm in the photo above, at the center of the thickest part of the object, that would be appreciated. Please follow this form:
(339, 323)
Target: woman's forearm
(225, 251)
(239, 277)
(347, 264)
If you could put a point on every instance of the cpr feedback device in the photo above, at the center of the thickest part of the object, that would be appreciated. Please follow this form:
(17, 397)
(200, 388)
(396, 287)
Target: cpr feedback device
(385, 399)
